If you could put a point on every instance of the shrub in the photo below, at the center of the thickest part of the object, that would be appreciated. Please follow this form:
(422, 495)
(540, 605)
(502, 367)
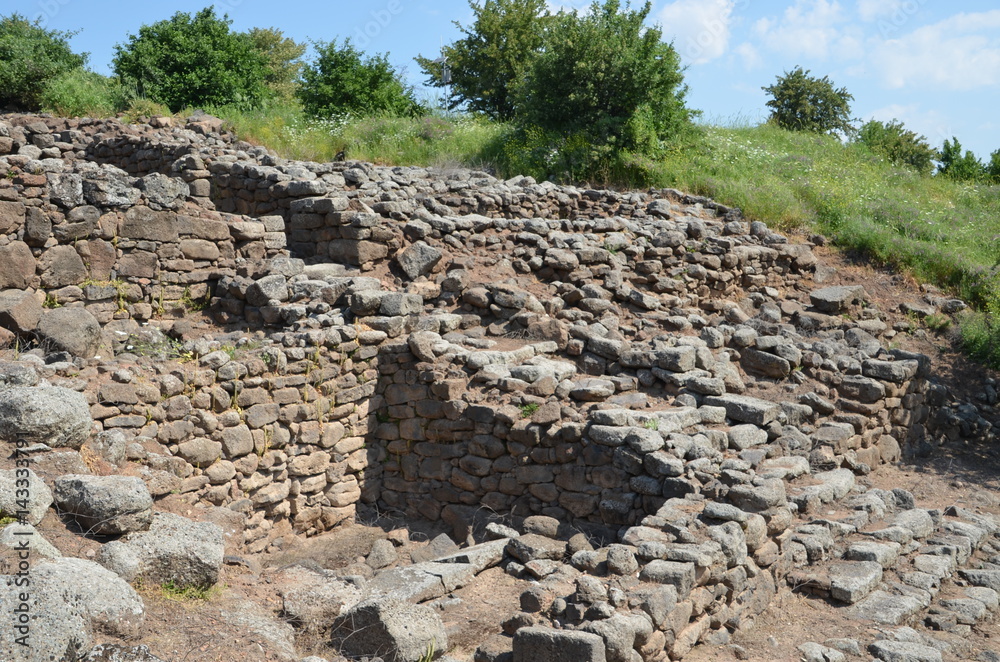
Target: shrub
(284, 60)
(800, 102)
(608, 78)
(958, 166)
(482, 70)
(898, 144)
(341, 81)
(193, 61)
(82, 93)
(31, 57)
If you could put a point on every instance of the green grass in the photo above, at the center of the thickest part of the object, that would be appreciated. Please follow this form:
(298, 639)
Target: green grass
(444, 140)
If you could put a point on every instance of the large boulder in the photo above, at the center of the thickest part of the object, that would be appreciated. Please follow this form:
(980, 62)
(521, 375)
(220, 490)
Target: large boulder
(51, 415)
(17, 266)
(418, 260)
(19, 311)
(72, 330)
(69, 599)
(164, 192)
(393, 630)
(175, 549)
(538, 644)
(37, 498)
(105, 505)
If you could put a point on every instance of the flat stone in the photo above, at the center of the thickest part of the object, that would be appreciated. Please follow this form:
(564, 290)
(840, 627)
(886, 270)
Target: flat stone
(853, 580)
(904, 651)
(746, 409)
(834, 300)
(885, 554)
(968, 610)
(885, 608)
(539, 644)
(679, 575)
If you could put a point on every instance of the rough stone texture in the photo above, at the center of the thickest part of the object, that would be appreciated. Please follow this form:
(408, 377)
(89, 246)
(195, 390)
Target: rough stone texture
(538, 644)
(72, 330)
(105, 505)
(57, 417)
(39, 495)
(393, 630)
(904, 651)
(418, 260)
(17, 266)
(19, 311)
(117, 653)
(175, 549)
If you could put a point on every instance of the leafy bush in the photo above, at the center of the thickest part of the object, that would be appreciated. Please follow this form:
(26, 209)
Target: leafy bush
(342, 80)
(193, 61)
(483, 69)
(606, 77)
(82, 93)
(800, 102)
(993, 168)
(284, 60)
(898, 144)
(31, 57)
(958, 166)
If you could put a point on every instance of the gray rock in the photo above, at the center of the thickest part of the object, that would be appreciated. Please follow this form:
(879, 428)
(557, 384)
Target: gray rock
(117, 653)
(885, 554)
(105, 505)
(813, 652)
(834, 300)
(904, 651)
(621, 560)
(679, 575)
(164, 192)
(275, 634)
(20, 311)
(746, 409)
(105, 599)
(39, 497)
(175, 549)
(853, 580)
(393, 630)
(758, 498)
(72, 330)
(917, 521)
(418, 259)
(742, 437)
(50, 415)
(314, 599)
(19, 536)
(886, 608)
(266, 289)
(539, 644)
(592, 390)
(383, 554)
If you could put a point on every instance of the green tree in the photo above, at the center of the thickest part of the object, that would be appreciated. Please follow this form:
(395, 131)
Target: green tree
(607, 76)
(962, 167)
(898, 144)
(193, 61)
(30, 57)
(342, 80)
(485, 67)
(993, 168)
(800, 102)
(284, 59)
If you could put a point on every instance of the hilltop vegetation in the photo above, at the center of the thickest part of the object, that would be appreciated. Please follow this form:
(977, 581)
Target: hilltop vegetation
(540, 105)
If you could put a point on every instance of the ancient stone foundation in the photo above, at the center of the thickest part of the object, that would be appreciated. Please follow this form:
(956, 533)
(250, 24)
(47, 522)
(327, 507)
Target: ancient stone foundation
(649, 369)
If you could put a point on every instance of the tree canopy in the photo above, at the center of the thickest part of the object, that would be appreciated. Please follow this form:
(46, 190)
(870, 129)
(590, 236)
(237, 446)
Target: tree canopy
(800, 102)
(343, 80)
(31, 57)
(483, 69)
(193, 61)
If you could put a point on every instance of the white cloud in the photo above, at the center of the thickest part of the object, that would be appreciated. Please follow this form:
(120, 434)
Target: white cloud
(813, 29)
(750, 56)
(700, 29)
(873, 9)
(958, 53)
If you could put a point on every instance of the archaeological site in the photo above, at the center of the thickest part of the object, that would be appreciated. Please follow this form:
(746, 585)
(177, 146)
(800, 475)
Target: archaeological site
(256, 410)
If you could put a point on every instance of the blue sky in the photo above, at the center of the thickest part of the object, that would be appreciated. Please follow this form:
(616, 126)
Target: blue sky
(933, 65)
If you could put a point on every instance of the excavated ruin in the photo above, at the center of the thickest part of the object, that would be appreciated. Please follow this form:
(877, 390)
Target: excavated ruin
(649, 413)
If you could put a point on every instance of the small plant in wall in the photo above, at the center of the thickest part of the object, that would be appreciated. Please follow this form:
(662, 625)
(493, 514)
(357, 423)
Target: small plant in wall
(528, 410)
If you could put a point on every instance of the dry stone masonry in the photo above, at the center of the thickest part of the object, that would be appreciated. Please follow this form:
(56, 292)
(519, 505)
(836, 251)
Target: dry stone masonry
(665, 399)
